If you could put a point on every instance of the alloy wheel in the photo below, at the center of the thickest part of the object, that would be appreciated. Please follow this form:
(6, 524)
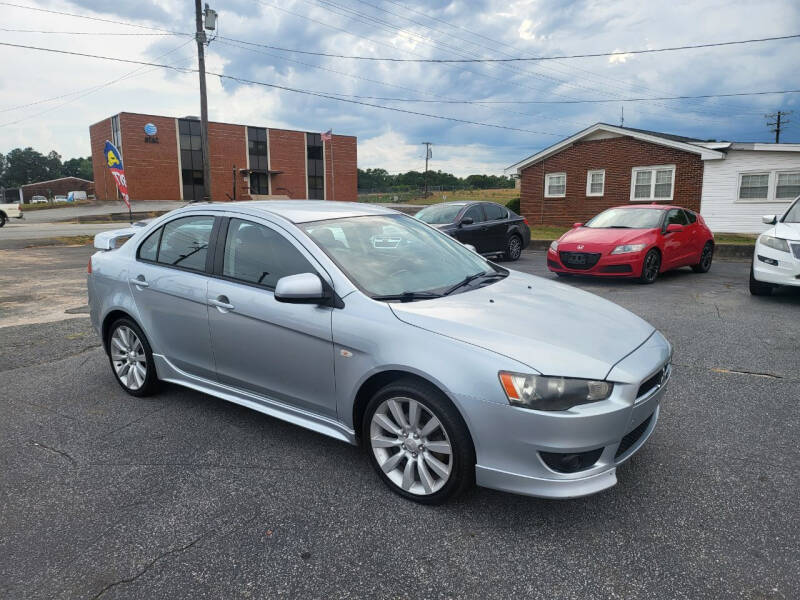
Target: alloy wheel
(514, 248)
(651, 266)
(411, 446)
(128, 358)
(705, 259)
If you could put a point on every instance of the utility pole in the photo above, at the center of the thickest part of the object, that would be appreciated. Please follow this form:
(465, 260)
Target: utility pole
(200, 37)
(427, 156)
(778, 123)
(622, 116)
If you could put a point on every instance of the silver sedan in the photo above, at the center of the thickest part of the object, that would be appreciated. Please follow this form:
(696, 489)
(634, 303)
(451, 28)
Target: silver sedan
(371, 327)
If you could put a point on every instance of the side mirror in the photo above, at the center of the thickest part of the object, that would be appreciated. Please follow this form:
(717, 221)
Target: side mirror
(674, 228)
(470, 247)
(466, 221)
(576, 225)
(770, 219)
(303, 288)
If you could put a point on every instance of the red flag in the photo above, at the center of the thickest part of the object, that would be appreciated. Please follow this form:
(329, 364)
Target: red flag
(326, 137)
(114, 163)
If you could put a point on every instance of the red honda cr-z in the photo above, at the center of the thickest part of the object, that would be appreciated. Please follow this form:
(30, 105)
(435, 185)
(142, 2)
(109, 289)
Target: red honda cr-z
(634, 241)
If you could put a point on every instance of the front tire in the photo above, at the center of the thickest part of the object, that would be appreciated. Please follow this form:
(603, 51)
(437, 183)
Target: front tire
(131, 358)
(513, 248)
(418, 443)
(651, 266)
(705, 259)
(759, 288)
(2, 219)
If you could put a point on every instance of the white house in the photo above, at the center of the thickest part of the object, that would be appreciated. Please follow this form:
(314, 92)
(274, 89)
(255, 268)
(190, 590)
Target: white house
(752, 180)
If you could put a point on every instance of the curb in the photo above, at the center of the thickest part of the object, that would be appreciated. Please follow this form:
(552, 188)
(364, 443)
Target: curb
(720, 250)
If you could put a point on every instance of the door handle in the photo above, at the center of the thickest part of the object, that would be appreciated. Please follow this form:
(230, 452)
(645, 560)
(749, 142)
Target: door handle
(221, 302)
(139, 281)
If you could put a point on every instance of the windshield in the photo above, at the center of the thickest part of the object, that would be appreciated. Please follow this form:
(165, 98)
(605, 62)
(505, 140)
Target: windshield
(439, 214)
(387, 255)
(793, 214)
(628, 218)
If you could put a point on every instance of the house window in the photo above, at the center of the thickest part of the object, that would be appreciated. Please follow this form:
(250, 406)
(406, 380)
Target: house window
(652, 183)
(788, 186)
(754, 186)
(555, 185)
(595, 183)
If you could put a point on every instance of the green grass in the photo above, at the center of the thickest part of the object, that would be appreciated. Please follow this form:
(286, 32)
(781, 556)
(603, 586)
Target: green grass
(31, 207)
(66, 240)
(743, 239)
(501, 196)
(547, 232)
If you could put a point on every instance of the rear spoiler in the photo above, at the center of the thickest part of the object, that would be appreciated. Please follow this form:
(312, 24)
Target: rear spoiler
(110, 240)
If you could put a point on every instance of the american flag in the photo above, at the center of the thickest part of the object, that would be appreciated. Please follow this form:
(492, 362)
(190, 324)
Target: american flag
(326, 137)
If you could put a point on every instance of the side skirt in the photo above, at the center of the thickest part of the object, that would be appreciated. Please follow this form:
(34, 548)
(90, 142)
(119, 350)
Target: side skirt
(169, 372)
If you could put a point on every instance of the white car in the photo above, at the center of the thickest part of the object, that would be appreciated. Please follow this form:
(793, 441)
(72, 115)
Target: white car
(776, 259)
(38, 200)
(60, 198)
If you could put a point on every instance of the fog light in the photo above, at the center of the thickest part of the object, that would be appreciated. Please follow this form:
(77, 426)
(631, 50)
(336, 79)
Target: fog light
(571, 462)
(769, 261)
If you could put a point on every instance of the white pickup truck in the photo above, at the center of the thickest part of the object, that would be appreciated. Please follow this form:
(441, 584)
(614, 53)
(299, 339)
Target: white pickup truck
(9, 211)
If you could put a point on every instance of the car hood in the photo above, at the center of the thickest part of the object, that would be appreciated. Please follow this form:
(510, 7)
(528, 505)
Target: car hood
(787, 231)
(553, 328)
(596, 236)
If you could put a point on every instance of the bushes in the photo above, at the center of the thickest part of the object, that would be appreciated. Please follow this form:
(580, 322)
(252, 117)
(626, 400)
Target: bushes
(513, 204)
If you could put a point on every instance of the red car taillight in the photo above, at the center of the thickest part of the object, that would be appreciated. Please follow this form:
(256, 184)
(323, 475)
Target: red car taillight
(524, 220)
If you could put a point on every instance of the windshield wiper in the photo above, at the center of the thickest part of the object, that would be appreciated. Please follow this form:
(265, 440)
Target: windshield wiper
(470, 278)
(619, 227)
(408, 296)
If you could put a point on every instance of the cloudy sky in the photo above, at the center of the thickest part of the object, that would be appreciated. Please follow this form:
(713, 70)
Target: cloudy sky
(48, 100)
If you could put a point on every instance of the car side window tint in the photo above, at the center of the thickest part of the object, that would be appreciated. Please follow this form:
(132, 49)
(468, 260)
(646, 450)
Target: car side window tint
(184, 242)
(494, 212)
(676, 217)
(148, 250)
(691, 216)
(475, 212)
(257, 254)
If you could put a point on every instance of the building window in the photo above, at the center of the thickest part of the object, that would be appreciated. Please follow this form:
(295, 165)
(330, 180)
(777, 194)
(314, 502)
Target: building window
(754, 186)
(259, 184)
(191, 159)
(788, 186)
(595, 183)
(315, 167)
(116, 132)
(555, 185)
(652, 183)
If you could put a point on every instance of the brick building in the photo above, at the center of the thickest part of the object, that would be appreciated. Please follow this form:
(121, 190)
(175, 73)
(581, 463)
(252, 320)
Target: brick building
(605, 166)
(56, 187)
(163, 160)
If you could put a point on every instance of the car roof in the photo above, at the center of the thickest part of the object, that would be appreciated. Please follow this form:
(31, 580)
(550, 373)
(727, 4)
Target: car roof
(300, 211)
(655, 206)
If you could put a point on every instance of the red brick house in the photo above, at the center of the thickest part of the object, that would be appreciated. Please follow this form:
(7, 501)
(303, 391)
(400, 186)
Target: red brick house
(604, 166)
(163, 160)
(56, 187)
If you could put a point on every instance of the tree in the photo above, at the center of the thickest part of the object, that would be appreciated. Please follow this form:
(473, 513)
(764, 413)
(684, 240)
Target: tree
(79, 167)
(28, 166)
(2, 169)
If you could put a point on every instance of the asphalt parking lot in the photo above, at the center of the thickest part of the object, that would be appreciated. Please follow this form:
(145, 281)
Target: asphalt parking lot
(184, 496)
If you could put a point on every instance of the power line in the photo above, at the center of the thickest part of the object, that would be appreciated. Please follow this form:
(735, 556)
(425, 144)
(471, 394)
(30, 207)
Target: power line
(66, 14)
(120, 33)
(515, 59)
(280, 87)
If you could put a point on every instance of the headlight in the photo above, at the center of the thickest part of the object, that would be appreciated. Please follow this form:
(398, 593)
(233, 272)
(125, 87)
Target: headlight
(554, 245)
(552, 393)
(626, 248)
(774, 243)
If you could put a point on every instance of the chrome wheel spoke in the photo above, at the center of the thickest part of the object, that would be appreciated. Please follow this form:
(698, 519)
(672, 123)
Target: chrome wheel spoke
(408, 475)
(430, 427)
(424, 476)
(439, 446)
(381, 441)
(397, 413)
(413, 414)
(386, 423)
(436, 465)
(392, 462)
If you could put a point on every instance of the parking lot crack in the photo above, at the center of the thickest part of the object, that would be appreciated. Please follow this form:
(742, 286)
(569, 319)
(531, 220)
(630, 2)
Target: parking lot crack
(743, 372)
(56, 451)
(149, 566)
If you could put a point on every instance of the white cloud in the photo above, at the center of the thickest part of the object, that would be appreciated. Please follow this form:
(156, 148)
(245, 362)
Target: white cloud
(619, 57)
(526, 30)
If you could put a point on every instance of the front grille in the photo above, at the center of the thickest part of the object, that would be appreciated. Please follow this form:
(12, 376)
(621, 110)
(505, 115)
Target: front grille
(581, 261)
(632, 437)
(617, 269)
(796, 250)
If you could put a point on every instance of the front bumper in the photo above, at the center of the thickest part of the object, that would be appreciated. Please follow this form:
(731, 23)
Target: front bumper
(511, 441)
(608, 265)
(785, 272)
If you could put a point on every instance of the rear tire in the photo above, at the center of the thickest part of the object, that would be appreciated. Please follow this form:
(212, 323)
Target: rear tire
(429, 461)
(513, 248)
(759, 288)
(705, 259)
(651, 266)
(2, 219)
(131, 358)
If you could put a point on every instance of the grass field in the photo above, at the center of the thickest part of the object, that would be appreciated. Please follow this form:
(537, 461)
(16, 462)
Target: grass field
(32, 207)
(500, 196)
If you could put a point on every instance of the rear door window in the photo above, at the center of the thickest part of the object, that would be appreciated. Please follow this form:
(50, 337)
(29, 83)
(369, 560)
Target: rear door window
(184, 243)
(148, 250)
(494, 212)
